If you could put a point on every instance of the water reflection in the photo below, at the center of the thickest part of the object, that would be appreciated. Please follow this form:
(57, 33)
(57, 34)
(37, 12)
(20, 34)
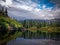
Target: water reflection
(22, 41)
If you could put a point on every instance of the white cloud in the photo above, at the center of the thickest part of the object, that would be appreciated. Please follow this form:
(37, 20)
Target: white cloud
(24, 9)
(2, 3)
(8, 2)
(44, 6)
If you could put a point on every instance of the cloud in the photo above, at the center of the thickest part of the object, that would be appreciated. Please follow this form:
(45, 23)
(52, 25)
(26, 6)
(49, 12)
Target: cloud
(24, 9)
(57, 2)
(6, 3)
(2, 3)
(34, 14)
(56, 10)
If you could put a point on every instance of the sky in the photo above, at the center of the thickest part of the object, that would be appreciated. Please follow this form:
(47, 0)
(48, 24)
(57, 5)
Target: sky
(32, 9)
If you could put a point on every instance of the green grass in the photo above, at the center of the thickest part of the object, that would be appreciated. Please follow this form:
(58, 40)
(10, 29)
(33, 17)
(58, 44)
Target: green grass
(45, 29)
(9, 22)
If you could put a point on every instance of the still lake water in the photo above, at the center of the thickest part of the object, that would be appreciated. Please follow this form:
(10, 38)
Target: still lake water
(22, 41)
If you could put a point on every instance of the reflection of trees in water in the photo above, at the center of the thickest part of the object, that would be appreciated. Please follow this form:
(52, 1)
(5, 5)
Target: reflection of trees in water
(41, 35)
(45, 29)
(4, 43)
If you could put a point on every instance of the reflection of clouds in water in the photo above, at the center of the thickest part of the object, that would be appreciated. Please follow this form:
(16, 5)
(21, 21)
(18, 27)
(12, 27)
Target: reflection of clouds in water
(22, 41)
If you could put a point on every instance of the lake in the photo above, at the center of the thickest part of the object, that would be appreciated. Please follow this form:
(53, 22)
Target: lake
(22, 41)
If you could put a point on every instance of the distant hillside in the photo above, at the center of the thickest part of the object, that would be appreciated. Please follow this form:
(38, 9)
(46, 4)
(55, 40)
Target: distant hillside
(6, 21)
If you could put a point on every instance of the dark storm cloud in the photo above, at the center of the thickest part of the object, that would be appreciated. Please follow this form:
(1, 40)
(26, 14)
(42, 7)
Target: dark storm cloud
(57, 8)
(56, 2)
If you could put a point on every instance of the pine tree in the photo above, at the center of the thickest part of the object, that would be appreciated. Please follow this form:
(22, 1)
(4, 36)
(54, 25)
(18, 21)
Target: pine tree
(6, 13)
